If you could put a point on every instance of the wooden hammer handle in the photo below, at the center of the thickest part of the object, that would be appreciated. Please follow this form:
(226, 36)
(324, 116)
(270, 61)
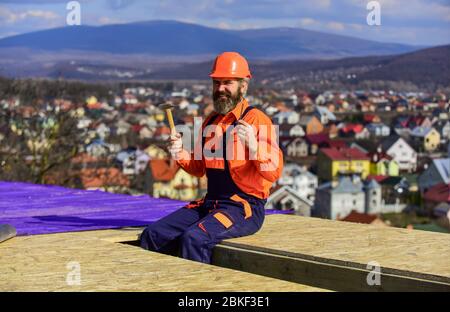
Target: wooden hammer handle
(170, 118)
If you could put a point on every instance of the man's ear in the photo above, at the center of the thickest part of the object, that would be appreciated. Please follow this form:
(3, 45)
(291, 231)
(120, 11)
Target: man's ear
(244, 86)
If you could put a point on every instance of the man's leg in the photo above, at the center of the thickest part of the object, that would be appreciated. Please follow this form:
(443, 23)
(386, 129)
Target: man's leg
(162, 235)
(227, 221)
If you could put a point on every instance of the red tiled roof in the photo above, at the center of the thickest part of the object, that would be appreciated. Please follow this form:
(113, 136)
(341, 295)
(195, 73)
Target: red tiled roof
(350, 127)
(163, 170)
(381, 156)
(344, 154)
(377, 178)
(162, 130)
(337, 144)
(357, 217)
(84, 158)
(438, 193)
(136, 128)
(100, 177)
(317, 138)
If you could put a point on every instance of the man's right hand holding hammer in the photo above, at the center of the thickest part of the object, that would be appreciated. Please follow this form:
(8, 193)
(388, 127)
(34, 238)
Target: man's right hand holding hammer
(175, 145)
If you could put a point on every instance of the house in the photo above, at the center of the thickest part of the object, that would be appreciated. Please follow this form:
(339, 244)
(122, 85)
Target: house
(373, 196)
(337, 199)
(298, 147)
(382, 164)
(127, 158)
(364, 218)
(146, 132)
(106, 179)
(378, 129)
(426, 122)
(300, 180)
(394, 193)
(311, 124)
(142, 159)
(316, 141)
(162, 133)
(97, 148)
(350, 129)
(435, 195)
(401, 152)
(286, 198)
(122, 127)
(363, 134)
(443, 127)
(103, 131)
(156, 152)
(425, 139)
(441, 210)
(324, 115)
(371, 118)
(332, 130)
(164, 178)
(288, 117)
(333, 161)
(290, 131)
(438, 171)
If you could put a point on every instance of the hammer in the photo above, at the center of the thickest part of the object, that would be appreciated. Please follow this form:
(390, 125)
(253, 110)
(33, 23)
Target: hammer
(168, 108)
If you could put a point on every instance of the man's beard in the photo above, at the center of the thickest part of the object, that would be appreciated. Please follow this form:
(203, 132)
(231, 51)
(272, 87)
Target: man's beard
(223, 105)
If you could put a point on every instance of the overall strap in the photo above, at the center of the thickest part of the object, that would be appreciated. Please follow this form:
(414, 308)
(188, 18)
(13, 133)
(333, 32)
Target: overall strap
(209, 122)
(246, 111)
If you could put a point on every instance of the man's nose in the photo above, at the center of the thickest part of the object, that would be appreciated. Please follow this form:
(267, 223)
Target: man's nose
(221, 88)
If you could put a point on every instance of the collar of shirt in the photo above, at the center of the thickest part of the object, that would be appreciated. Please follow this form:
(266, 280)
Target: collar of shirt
(235, 113)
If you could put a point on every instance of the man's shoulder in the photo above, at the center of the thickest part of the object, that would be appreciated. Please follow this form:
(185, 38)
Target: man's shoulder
(257, 115)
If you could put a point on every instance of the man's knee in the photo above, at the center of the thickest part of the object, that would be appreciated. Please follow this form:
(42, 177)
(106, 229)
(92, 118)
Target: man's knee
(193, 237)
(147, 238)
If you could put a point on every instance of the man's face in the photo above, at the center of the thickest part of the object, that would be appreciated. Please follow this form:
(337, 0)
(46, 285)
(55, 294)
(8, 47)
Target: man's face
(227, 93)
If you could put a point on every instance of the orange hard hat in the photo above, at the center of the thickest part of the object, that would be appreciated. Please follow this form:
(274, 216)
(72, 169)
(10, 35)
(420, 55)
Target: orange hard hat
(230, 65)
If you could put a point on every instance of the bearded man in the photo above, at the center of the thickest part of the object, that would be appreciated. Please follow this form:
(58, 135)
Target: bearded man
(238, 183)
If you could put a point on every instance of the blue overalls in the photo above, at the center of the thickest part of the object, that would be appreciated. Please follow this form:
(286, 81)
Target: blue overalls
(196, 228)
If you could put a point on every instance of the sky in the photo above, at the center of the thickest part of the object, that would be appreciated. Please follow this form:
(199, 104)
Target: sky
(416, 22)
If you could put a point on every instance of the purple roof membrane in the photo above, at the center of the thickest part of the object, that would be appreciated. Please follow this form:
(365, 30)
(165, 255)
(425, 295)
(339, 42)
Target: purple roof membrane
(43, 209)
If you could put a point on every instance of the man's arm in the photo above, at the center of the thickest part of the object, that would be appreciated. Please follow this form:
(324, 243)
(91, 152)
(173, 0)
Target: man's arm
(186, 159)
(259, 135)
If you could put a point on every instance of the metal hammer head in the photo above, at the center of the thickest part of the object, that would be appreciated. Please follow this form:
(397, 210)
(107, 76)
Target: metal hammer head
(166, 106)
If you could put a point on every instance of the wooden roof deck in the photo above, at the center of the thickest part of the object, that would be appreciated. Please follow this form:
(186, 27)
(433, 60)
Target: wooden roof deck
(335, 254)
(40, 263)
(290, 253)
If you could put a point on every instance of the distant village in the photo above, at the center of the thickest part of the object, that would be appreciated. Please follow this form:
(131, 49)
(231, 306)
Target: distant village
(375, 157)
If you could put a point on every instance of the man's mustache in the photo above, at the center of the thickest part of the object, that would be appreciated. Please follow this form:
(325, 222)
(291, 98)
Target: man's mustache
(219, 94)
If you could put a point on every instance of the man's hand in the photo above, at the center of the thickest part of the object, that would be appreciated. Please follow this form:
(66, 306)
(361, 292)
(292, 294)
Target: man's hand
(175, 145)
(246, 134)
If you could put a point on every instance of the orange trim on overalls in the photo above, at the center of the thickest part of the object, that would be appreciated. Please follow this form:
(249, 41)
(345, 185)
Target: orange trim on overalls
(247, 207)
(223, 219)
(200, 225)
(195, 203)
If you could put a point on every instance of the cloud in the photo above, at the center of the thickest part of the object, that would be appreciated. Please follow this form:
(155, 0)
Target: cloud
(305, 22)
(336, 26)
(104, 20)
(7, 16)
